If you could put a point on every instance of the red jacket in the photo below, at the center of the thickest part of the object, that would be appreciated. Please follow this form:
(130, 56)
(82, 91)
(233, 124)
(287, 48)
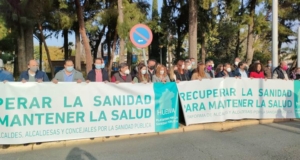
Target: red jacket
(257, 74)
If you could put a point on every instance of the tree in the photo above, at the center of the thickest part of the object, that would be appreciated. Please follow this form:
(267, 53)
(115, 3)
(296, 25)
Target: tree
(193, 30)
(120, 22)
(84, 37)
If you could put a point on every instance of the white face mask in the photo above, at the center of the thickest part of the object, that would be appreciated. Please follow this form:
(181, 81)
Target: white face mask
(228, 69)
(143, 71)
(236, 63)
(183, 66)
(193, 63)
(189, 67)
(162, 72)
(212, 65)
(127, 71)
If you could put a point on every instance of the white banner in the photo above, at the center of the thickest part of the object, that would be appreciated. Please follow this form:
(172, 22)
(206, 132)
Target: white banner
(221, 99)
(37, 112)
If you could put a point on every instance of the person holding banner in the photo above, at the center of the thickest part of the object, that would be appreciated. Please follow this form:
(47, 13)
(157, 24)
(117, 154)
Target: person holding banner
(241, 71)
(4, 75)
(200, 72)
(69, 74)
(181, 73)
(161, 75)
(257, 71)
(123, 75)
(99, 74)
(33, 74)
(227, 72)
(141, 76)
(280, 71)
(151, 63)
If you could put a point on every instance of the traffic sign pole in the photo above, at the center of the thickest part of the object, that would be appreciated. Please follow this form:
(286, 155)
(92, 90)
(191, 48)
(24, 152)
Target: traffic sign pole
(144, 55)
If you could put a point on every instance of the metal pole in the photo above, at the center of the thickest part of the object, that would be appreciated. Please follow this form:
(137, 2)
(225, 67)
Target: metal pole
(160, 55)
(298, 57)
(275, 33)
(144, 55)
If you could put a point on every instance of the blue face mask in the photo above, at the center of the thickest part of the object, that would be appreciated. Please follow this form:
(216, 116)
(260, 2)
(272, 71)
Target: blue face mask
(98, 66)
(70, 69)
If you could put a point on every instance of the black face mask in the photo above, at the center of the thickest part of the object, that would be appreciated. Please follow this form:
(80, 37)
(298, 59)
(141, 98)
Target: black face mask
(151, 67)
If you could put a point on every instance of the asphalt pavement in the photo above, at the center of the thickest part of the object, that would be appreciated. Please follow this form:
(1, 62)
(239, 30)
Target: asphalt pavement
(260, 142)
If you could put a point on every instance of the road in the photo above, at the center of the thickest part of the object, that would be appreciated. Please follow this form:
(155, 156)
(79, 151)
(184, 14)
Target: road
(261, 142)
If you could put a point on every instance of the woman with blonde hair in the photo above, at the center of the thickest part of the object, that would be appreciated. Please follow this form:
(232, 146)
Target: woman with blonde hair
(200, 72)
(142, 75)
(172, 75)
(161, 75)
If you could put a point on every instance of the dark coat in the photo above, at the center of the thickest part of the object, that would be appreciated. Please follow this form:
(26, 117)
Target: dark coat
(92, 75)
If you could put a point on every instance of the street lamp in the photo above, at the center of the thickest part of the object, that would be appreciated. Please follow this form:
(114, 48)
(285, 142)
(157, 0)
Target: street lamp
(161, 46)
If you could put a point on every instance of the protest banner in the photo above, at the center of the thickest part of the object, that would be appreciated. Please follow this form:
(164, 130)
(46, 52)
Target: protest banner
(39, 112)
(221, 99)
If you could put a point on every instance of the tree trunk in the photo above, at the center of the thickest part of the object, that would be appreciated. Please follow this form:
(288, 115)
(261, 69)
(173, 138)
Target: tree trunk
(129, 59)
(84, 37)
(66, 43)
(203, 50)
(121, 21)
(193, 29)
(21, 50)
(28, 33)
(47, 50)
(237, 47)
(99, 42)
(102, 50)
(250, 37)
(41, 52)
(78, 50)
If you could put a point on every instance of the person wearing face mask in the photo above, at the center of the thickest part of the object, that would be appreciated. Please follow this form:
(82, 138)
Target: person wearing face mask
(237, 60)
(142, 76)
(151, 67)
(33, 74)
(188, 67)
(181, 73)
(193, 62)
(100, 73)
(68, 74)
(268, 70)
(123, 75)
(209, 69)
(227, 71)
(161, 75)
(4, 75)
(280, 71)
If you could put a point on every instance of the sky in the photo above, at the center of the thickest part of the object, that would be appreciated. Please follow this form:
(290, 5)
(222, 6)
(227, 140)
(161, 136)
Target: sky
(59, 42)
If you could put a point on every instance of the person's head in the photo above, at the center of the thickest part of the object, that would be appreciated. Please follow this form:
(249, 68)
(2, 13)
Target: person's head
(227, 67)
(212, 63)
(151, 64)
(193, 61)
(219, 68)
(208, 65)
(284, 65)
(123, 68)
(158, 65)
(269, 63)
(99, 63)
(242, 66)
(237, 60)
(33, 65)
(142, 69)
(69, 65)
(175, 68)
(257, 67)
(161, 71)
(180, 65)
(188, 64)
(200, 70)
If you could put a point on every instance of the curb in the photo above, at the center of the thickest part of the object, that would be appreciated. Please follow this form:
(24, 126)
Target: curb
(220, 126)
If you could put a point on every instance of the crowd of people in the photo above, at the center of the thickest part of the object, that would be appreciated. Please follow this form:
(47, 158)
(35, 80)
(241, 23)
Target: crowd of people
(183, 70)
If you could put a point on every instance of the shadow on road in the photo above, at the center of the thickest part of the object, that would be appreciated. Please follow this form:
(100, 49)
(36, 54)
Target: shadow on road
(79, 154)
(294, 126)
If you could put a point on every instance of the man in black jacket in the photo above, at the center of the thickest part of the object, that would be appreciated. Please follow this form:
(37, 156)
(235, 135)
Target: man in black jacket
(100, 73)
(280, 71)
